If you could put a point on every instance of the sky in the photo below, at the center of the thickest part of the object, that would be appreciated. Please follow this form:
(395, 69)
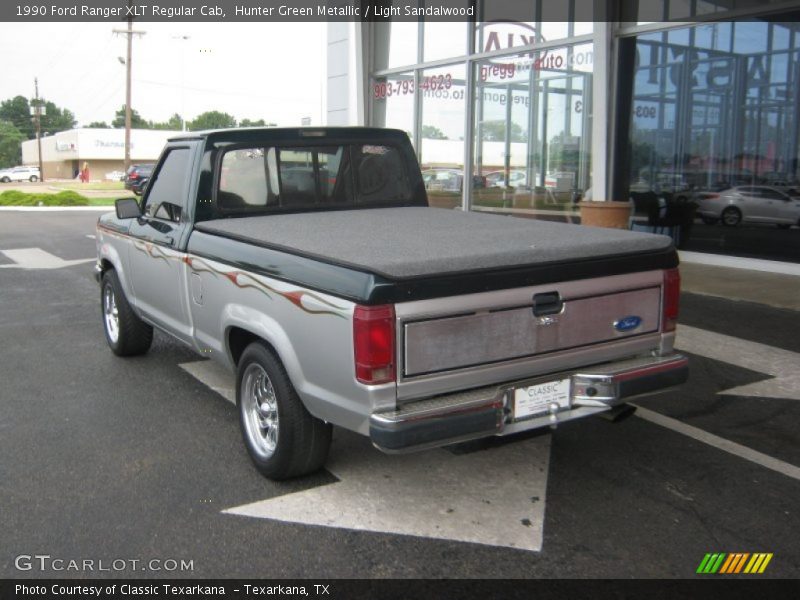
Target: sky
(270, 71)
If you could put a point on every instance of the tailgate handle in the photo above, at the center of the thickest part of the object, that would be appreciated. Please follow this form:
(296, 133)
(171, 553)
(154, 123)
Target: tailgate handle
(547, 303)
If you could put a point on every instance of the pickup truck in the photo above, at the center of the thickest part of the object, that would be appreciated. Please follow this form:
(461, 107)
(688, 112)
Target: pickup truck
(309, 262)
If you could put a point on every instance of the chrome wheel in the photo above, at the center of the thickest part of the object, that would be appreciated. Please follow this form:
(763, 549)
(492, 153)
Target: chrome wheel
(260, 410)
(111, 314)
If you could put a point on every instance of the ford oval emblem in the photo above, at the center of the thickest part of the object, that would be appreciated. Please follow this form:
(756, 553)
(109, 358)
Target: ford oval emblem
(628, 323)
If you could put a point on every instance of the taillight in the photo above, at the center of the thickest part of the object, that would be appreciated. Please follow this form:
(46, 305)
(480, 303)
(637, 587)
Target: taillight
(373, 341)
(672, 293)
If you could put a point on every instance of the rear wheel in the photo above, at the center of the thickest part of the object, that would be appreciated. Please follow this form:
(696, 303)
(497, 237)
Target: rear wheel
(5, 179)
(282, 438)
(731, 216)
(126, 334)
(34, 179)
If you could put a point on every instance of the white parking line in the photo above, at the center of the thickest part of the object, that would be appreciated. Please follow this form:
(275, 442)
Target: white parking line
(744, 452)
(36, 258)
(738, 262)
(781, 364)
(494, 497)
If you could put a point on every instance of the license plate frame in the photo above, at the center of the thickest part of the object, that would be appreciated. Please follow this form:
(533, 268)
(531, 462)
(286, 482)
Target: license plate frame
(536, 399)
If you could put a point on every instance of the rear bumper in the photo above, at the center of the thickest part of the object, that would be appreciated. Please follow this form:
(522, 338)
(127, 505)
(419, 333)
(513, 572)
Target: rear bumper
(489, 411)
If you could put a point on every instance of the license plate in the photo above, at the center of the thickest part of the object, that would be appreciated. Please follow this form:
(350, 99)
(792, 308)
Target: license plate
(537, 399)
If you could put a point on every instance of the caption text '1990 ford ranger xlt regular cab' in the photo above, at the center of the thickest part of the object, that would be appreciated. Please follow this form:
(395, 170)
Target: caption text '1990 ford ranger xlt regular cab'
(309, 261)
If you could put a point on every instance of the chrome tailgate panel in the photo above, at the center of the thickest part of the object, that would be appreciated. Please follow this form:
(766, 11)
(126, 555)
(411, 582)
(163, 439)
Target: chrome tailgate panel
(455, 343)
(486, 337)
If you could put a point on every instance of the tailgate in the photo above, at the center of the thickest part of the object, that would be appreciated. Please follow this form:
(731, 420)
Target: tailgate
(446, 343)
(455, 342)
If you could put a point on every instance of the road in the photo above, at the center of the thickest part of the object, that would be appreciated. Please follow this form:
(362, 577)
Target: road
(109, 459)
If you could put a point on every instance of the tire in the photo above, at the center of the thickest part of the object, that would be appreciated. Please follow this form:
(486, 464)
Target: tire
(709, 220)
(731, 216)
(282, 438)
(126, 334)
(5, 180)
(33, 179)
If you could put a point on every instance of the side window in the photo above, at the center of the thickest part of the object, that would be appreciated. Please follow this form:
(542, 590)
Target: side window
(167, 196)
(769, 194)
(243, 180)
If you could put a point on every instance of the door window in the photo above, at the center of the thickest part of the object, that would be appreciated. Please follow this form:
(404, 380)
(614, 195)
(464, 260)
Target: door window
(167, 192)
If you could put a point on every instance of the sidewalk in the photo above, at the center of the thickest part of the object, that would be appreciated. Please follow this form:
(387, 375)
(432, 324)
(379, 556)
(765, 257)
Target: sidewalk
(779, 289)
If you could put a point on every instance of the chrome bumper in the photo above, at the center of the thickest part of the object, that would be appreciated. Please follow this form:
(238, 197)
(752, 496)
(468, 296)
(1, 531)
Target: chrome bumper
(488, 411)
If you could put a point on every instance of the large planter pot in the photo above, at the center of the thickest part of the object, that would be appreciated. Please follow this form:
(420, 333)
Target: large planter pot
(605, 214)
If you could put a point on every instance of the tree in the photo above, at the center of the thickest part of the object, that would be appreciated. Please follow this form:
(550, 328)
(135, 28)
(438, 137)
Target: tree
(11, 140)
(212, 120)
(137, 122)
(495, 131)
(174, 123)
(249, 123)
(56, 119)
(17, 111)
(432, 133)
(97, 125)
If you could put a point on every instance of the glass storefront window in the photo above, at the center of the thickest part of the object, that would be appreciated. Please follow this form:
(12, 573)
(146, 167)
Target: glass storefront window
(649, 11)
(532, 132)
(441, 147)
(393, 102)
(714, 116)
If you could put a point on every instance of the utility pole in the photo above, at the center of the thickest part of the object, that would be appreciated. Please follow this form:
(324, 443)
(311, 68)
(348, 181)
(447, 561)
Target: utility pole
(37, 116)
(130, 33)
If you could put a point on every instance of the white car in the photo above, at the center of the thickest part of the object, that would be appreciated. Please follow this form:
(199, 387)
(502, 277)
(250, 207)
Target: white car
(20, 174)
(751, 204)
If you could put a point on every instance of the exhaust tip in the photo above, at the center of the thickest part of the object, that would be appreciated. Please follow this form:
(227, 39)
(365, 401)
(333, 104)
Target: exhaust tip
(618, 413)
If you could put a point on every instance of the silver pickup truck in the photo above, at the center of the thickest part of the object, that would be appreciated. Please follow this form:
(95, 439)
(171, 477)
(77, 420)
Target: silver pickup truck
(309, 262)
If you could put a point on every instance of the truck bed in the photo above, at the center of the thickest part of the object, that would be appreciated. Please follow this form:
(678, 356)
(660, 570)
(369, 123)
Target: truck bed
(419, 242)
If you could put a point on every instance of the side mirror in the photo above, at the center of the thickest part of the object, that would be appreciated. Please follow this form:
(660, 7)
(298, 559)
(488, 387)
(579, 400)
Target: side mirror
(128, 208)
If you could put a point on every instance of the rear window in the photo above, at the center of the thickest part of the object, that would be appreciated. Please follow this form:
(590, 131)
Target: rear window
(287, 178)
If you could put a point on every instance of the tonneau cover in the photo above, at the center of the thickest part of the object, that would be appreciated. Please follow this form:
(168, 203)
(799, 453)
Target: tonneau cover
(413, 242)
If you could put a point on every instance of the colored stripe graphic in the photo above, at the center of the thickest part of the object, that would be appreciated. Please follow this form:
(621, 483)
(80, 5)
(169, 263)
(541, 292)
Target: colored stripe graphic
(733, 563)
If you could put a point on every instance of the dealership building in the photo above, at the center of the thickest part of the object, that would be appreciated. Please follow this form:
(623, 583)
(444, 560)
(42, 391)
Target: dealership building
(64, 153)
(561, 101)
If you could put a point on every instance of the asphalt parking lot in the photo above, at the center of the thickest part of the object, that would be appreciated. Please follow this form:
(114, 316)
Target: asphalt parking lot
(106, 459)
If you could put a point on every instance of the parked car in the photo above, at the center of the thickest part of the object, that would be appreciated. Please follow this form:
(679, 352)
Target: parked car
(363, 307)
(20, 174)
(134, 176)
(516, 178)
(138, 186)
(751, 204)
(449, 180)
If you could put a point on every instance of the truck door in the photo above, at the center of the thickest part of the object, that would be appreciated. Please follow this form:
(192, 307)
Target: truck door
(157, 269)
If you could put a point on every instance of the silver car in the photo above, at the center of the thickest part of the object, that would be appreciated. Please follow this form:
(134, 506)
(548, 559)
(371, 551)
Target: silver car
(751, 204)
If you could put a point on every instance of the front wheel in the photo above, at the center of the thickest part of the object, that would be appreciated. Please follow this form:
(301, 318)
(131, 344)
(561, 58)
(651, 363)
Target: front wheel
(126, 333)
(731, 216)
(5, 179)
(282, 438)
(34, 179)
